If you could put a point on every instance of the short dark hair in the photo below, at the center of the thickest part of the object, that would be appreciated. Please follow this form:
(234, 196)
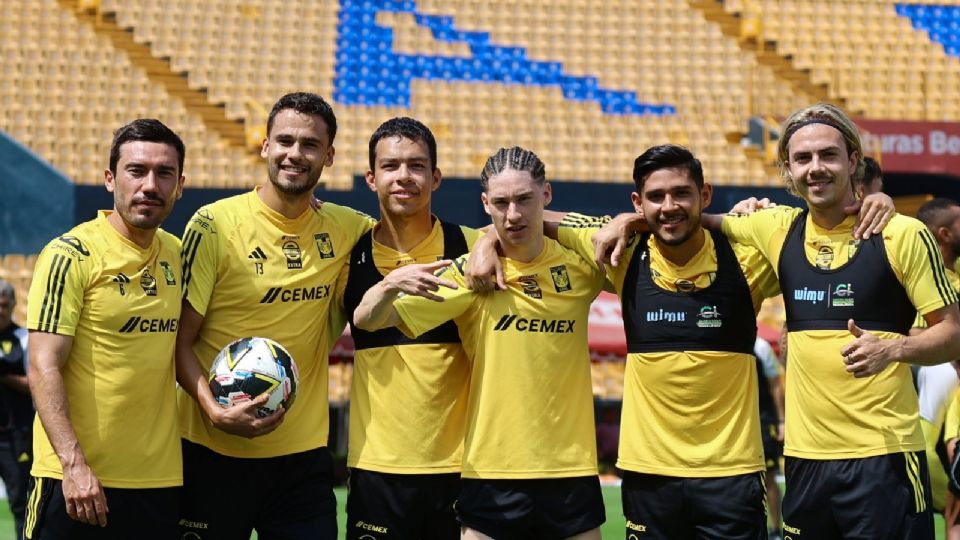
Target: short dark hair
(408, 128)
(932, 212)
(515, 158)
(871, 169)
(305, 103)
(148, 130)
(666, 156)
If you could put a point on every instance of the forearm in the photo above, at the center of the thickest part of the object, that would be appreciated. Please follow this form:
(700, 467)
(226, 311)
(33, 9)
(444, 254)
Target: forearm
(50, 398)
(376, 309)
(712, 222)
(936, 345)
(193, 380)
(776, 389)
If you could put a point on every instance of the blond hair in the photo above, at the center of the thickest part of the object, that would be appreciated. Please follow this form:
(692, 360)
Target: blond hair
(821, 113)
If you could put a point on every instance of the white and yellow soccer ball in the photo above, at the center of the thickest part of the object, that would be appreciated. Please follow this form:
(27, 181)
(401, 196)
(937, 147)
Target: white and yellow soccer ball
(249, 367)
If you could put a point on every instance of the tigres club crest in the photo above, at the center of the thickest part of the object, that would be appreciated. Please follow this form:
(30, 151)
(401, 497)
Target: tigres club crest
(530, 286)
(561, 280)
(291, 250)
(149, 283)
(168, 273)
(324, 245)
(824, 257)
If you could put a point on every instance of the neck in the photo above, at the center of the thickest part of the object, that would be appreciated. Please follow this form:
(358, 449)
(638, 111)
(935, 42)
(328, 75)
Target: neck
(526, 252)
(140, 237)
(828, 218)
(403, 233)
(681, 254)
(289, 206)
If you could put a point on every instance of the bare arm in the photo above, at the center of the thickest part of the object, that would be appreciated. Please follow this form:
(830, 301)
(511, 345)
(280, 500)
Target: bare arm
(82, 491)
(776, 390)
(241, 419)
(376, 311)
(868, 355)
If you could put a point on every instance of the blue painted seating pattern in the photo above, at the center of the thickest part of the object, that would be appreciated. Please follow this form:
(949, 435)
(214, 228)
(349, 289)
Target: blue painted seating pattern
(369, 72)
(941, 22)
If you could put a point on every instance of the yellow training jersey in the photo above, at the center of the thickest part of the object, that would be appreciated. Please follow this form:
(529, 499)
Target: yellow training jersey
(830, 413)
(121, 304)
(954, 280)
(530, 405)
(686, 413)
(251, 271)
(408, 403)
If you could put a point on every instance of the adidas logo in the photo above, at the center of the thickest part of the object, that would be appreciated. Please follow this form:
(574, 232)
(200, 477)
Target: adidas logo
(257, 254)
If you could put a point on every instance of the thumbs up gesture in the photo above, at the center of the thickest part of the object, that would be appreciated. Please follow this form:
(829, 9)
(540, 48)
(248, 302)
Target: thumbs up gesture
(867, 354)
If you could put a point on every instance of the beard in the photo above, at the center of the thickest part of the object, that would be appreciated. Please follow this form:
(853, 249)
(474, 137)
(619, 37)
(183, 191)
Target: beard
(693, 225)
(292, 188)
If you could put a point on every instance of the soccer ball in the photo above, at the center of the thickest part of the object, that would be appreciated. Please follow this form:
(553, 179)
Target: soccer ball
(251, 366)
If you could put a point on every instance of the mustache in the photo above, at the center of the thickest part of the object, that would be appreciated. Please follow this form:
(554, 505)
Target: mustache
(149, 197)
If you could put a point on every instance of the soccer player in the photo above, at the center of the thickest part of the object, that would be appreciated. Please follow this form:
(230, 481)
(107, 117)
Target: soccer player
(852, 435)
(690, 441)
(103, 312)
(265, 263)
(872, 181)
(16, 408)
(937, 384)
(408, 398)
(530, 463)
(771, 426)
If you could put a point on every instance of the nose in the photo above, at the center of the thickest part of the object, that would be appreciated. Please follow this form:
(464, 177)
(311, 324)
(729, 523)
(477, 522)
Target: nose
(669, 203)
(513, 213)
(150, 182)
(295, 150)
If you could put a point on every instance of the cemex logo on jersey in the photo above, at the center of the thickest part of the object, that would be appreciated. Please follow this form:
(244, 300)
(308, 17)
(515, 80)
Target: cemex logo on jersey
(297, 294)
(709, 317)
(148, 326)
(522, 324)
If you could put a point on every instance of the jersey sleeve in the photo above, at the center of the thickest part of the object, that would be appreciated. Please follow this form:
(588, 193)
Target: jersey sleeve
(923, 274)
(55, 300)
(419, 315)
(951, 423)
(199, 258)
(471, 235)
(758, 271)
(757, 229)
(354, 223)
(576, 231)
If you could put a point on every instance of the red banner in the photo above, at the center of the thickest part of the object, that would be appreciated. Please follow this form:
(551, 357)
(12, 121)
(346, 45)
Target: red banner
(913, 147)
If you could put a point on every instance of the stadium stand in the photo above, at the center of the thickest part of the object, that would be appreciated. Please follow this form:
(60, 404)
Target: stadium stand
(585, 84)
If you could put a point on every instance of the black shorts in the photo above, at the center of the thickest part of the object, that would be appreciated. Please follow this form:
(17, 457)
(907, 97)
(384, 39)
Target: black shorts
(133, 513)
(772, 448)
(674, 508)
(385, 505)
(881, 497)
(545, 508)
(226, 498)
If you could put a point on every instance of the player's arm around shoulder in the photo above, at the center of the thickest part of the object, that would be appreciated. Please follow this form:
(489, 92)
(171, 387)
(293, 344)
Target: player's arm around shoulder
(376, 310)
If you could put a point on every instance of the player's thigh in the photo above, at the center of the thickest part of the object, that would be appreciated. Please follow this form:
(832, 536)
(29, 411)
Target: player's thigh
(729, 507)
(144, 514)
(809, 483)
(211, 485)
(298, 502)
(388, 505)
(653, 507)
(884, 497)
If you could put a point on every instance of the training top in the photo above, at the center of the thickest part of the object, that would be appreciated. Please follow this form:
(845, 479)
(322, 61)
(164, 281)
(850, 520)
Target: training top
(686, 413)
(250, 271)
(121, 304)
(408, 398)
(830, 413)
(530, 404)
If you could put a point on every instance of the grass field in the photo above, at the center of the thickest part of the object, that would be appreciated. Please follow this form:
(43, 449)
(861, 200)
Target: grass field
(613, 529)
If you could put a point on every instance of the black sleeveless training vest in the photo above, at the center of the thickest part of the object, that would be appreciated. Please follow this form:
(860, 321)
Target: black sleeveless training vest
(719, 317)
(364, 274)
(864, 289)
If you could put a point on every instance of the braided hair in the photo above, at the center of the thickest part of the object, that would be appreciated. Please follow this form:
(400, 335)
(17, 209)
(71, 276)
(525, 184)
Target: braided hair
(515, 158)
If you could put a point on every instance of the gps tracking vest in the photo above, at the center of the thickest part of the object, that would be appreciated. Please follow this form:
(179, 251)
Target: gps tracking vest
(364, 274)
(864, 289)
(719, 317)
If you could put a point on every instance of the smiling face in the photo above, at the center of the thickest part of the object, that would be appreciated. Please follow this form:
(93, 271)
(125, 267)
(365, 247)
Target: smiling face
(820, 167)
(296, 149)
(146, 184)
(403, 177)
(672, 204)
(515, 203)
